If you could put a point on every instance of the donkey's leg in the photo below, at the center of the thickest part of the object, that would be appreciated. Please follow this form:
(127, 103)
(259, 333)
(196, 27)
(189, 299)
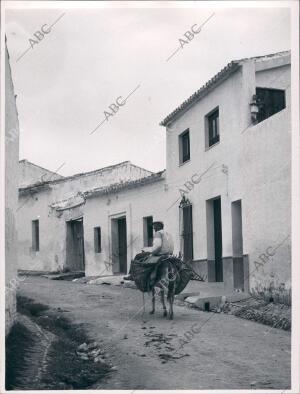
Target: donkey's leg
(171, 292)
(171, 301)
(153, 301)
(162, 298)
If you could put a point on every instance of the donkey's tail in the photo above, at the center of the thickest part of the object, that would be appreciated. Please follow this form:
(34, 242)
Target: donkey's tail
(172, 274)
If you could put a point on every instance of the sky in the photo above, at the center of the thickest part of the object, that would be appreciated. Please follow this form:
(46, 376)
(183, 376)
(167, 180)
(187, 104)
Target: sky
(66, 82)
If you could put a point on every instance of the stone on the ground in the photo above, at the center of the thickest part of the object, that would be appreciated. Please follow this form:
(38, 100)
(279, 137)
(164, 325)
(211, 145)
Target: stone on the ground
(107, 280)
(99, 360)
(83, 356)
(183, 296)
(200, 302)
(92, 345)
(96, 352)
(83, 346)
(216, 303)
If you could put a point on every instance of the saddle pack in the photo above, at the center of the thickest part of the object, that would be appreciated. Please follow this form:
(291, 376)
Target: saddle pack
(146, 271)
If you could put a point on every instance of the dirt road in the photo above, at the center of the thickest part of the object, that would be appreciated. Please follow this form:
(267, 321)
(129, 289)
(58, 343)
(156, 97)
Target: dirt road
(197, 350)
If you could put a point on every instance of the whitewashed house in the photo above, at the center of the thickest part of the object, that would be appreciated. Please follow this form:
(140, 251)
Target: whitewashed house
(62, 226)
(229, 155)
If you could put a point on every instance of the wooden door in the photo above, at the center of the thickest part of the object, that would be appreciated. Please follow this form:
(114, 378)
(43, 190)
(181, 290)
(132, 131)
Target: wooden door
(187, 233)
(75, 246)
(122, 235)
(218, 240)
(78, 234)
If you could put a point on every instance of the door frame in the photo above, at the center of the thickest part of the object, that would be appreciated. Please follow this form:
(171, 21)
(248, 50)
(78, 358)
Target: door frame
(68, 228)
(237, 244)
(219, 270)
(114, 248)
(210, 238)
(186, 239)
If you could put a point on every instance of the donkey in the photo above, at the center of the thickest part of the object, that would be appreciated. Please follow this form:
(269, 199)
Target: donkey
(166, 280)
(170, 276)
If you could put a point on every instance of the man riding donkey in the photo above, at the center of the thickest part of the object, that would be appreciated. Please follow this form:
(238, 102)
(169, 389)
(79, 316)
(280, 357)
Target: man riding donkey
(163, 245)
(156, 267)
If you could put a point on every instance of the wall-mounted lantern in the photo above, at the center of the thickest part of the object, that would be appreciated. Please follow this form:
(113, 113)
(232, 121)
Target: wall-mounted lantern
(254, 108)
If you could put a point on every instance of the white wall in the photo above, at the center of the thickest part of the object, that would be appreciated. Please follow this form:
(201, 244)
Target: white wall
(30, 173)
(35, 204)
(136, 203)
(51, 254)
(11, 196)
(214, 182)
(257, 164)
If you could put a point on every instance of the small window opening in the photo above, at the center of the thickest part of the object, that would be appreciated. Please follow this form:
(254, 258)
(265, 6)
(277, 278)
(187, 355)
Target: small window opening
(35, 236)
(184, 147)
(97, 239)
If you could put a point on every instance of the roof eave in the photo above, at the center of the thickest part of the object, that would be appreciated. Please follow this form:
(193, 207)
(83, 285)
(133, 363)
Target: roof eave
(32, 189)
(203, 91)
(125, 186)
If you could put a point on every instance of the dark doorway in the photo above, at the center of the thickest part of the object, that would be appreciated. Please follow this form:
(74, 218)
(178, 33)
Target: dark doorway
(122, 245)
(75, 245)
(218, 239)
(187, 233)
(119, 245)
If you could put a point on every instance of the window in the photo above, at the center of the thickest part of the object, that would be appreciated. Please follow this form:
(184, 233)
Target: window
(148, 230)
(35, 236)
(270, 101)
(184, 147)
(97, 239)
(213, 127)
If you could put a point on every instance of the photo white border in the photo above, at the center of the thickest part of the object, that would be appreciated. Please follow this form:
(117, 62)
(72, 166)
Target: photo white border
(65, 5)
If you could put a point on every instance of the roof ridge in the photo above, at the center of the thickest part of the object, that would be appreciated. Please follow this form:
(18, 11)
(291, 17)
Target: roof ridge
(265, 56)
(99, 169)
(111, 188)
(66, 178)
(142, 168)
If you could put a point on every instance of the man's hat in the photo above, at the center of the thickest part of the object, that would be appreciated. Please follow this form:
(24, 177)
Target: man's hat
(158, 222)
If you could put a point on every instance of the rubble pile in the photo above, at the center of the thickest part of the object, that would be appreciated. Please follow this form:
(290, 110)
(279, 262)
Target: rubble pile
(93, 352)
(258, 310)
